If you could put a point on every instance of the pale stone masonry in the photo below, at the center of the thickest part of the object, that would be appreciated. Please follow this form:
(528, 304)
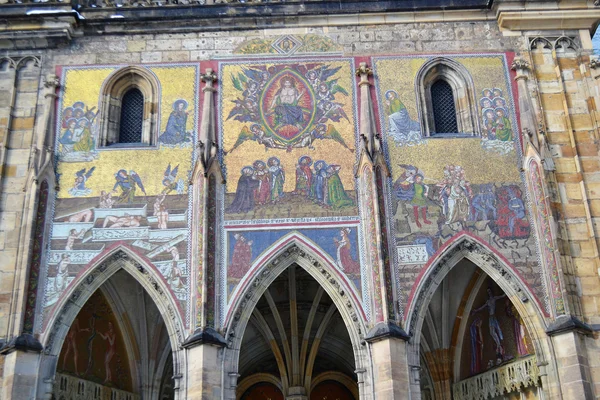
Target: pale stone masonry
(39, 41)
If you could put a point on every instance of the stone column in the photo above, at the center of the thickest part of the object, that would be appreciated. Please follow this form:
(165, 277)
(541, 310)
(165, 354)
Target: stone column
(204, 348)
(568, 337)
(390, 368)
(296, 393)
(21, 360)
(204, 368)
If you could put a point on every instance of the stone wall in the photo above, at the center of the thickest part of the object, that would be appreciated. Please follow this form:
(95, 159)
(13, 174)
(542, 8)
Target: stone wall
(20, 82)
(350, 40)
(563, 86)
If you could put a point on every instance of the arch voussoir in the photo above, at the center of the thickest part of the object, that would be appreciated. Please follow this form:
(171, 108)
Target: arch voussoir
(295, 249)
(507, 278)
(82, 290)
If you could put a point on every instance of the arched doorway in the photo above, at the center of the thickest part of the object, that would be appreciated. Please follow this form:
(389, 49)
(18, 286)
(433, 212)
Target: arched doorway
(116, 335)
(118, 345)
(295, 253)
(295, 334)
(475, 330)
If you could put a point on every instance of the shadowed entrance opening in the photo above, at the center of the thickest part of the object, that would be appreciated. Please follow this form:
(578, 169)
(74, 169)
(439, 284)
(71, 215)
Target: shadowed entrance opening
(473, 342)
(117, 347)
(296, 344)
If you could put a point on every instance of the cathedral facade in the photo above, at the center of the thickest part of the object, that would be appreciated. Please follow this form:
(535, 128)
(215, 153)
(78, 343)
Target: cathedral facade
(299, 200)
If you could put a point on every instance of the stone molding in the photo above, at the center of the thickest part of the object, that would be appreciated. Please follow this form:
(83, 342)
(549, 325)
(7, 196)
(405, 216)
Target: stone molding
(385, 330)
(204, 336)
(568, 323)
(512, 377)
(24, 342)
(94, 279)
(548, 19)
(242, 310)
(465, 248)
(291, 254)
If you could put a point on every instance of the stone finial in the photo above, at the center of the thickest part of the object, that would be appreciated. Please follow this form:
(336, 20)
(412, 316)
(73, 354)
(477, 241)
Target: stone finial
(51, 81)
(363, 69)
(209, 76)
(363, 72)
(520, 65)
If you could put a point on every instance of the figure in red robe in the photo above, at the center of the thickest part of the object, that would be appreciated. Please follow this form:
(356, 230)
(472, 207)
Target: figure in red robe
(345, 261)
(304, 176)
(262, 194)
(241, 257)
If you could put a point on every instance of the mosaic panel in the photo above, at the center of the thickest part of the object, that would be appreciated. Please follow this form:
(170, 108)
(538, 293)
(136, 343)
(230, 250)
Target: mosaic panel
(246, 245)
(289, 45)
(288, 135)
(445, 185)
(94, 348)
(548, 250)
(372, 248)
(36, 258)
(136, 196)
(495, 332)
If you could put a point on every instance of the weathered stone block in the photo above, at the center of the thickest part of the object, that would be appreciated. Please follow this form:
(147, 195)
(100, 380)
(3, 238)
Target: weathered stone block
(22, 123)
(165, 44)
(113, 58)
(350, 38)
(198, 44)
(136, 45)
(151, 56)
(367, 36)
(175, 56)
(384, 36)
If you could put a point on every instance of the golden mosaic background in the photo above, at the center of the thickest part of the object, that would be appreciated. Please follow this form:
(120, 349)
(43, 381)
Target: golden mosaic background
(481, 166)
(328, 150)
(178, 82)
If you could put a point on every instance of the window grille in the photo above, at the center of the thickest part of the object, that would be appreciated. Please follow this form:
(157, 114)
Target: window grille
(444, 109)
(132, 117)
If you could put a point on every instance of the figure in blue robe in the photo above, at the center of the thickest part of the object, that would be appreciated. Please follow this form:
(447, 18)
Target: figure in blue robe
(517, 208)
(244, 194)
(320, 182)
(67, 140)
(175, 132)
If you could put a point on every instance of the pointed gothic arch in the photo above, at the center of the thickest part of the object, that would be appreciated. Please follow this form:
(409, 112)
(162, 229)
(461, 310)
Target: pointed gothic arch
(294, 249)
(112, 94)
(462, 93)
(533, 314)
(75, 297)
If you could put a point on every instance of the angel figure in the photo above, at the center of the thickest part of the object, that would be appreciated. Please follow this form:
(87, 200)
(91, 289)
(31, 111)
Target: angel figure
(169, 181)
(321, 75)
(321, 131)
(79, 188)
(246, 108)
(261, 77)
(327, 90)
(332, 110)
(127, 182)
(258, 134)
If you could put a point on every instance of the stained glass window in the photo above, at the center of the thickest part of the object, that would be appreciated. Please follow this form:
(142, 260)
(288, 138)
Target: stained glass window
(132, 117)
(444, 109)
